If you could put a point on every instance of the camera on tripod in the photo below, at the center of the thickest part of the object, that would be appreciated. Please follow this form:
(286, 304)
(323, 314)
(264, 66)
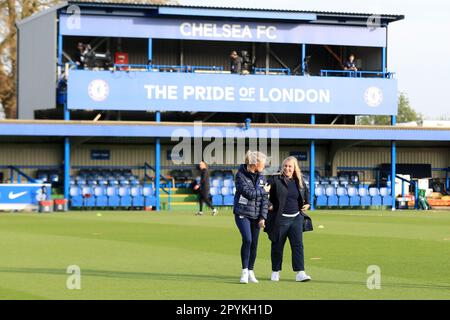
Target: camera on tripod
(247, 62)
(98, 60)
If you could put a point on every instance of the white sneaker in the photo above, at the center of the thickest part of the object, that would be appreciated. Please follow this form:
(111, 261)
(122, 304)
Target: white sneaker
(199, 213)
(251, 277)
(275, 276)
(214, 212)
(244, 276)
(302, 276)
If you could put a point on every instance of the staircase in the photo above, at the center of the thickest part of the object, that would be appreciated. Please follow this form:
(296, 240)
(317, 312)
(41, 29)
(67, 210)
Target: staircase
(181, 198)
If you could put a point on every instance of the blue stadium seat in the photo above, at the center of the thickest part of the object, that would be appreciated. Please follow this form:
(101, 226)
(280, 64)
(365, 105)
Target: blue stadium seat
(365, 197)
(124, 195)
(342, 179)
(228, 200)
(344, 183)
(229, 176)
(217, 200)
(214, 191)
(137, 196)
(321, 198)
(75, 196)
(88, 196)
(42, 176)
(124, 182)
(113, 198)
(102, 182)
(113, 182)
(332, 198)
(332, 201)
(54, 178)
(385, 194)
(228, 183)
(101, 200)
(387, 200)
(218, 174)
(376, 198)
(226, 191)
(355, 199)
(343, 199)
(149, 195)
(216, 183)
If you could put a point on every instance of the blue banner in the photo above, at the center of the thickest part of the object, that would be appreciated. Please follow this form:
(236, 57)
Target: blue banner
(300, 155)
(21, 195)
(220, 30)
(150, 91)
(100, 155)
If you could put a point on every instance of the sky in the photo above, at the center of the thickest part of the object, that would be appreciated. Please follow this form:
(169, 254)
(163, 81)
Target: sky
(418, 46)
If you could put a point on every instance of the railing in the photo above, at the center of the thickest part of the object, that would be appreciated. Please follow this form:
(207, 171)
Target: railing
(256, 71)
(182, 68)
(416, 189)
(20, 174)
(192, 69)
(356, 74)
(165, 68)
(285, 71)
(168, 182)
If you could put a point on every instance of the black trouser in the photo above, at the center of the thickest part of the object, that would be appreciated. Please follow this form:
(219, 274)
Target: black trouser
(291, 228)
(204, 197)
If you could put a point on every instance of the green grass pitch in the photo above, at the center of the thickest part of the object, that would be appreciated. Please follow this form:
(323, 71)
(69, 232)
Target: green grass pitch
(176, 255)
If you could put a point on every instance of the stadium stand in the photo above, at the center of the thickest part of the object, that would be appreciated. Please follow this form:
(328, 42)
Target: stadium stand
(110, 188)
(199, 58)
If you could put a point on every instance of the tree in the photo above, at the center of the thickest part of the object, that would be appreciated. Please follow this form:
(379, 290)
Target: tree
(10, 12)
(405, 114)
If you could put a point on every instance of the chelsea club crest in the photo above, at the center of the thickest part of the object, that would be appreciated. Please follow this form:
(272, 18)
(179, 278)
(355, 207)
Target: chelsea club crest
(373, 96)
(98, 90)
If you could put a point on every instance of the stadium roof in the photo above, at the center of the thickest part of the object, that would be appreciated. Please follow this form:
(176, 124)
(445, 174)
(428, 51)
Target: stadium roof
(129, 129)
(173, 4)
(172, 8)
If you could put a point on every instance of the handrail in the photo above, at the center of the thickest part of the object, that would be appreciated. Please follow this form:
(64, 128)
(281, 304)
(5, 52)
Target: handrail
(168, 182)
(356, 74)
(416, 189)
(266, 70)
(20, 173)
(212, 68)
(178, 68)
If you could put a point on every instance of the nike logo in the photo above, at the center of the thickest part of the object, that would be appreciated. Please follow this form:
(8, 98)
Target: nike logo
(13, 195)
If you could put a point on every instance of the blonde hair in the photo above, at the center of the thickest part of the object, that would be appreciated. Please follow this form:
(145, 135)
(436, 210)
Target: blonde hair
(297, 172)
(254, 157)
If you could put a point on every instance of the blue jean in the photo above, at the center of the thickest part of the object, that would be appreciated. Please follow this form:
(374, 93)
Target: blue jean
(250, 233)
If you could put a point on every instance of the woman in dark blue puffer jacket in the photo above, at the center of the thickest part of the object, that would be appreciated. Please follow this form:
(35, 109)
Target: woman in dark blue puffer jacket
(250, 209)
